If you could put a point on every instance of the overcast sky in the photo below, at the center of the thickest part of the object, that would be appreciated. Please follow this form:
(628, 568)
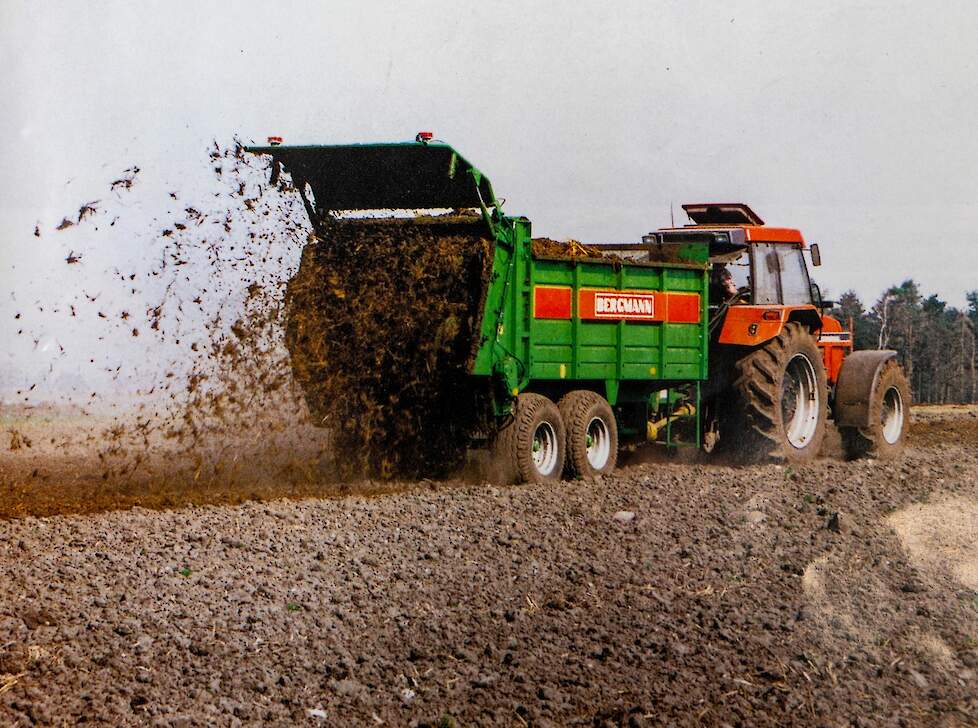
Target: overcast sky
(852, 121)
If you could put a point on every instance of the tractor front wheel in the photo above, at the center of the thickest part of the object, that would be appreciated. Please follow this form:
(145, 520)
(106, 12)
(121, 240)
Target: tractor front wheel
(531, 447)
(780, 400)
(889, 417)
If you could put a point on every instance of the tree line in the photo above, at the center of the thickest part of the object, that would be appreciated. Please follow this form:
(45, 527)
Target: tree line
(936, 343)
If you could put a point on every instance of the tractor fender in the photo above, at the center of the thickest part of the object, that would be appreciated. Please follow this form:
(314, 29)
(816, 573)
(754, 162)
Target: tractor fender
(749, 325)
(854, 391)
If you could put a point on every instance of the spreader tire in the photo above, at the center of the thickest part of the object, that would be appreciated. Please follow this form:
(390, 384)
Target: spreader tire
(531, 447)
(780, 400)
(889, 415)
(592, 434)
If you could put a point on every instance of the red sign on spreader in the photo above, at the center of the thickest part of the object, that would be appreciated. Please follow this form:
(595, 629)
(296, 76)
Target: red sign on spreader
(620, 306)
(555, 302)
(552, 302)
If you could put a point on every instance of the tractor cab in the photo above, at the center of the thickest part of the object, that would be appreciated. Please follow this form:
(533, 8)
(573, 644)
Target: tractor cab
(762, 273)
(759, 279)
(753, 263)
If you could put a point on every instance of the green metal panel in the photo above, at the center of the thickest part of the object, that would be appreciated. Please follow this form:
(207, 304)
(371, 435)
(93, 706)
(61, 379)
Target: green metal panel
(579, 349)
(521, 349)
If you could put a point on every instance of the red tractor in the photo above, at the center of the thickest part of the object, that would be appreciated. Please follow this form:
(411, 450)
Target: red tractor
(780, 366)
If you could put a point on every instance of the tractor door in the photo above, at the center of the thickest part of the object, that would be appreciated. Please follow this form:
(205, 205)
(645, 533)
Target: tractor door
(780, 276)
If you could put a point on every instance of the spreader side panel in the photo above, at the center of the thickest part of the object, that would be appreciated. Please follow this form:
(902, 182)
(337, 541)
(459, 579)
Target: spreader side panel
(591, 320)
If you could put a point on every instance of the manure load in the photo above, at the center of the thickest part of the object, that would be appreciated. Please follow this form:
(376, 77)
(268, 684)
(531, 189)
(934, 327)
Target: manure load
(382, 318)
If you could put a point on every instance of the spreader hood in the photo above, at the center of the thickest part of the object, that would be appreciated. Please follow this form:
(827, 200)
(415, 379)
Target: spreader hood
(409, 175)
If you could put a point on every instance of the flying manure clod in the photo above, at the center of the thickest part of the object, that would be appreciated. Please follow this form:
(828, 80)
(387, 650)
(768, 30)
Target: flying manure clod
(423, 321)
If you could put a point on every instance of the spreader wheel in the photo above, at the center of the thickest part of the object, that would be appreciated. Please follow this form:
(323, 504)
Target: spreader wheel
(889, 415)
(592, 434)
(780, 400)
(531, 447)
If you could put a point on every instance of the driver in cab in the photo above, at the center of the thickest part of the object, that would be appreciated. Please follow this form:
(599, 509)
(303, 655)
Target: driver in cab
(722, 285)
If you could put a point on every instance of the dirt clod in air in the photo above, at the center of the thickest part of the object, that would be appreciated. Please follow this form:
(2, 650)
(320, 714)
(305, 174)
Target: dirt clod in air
(193, 400)
(382, 323)
(18, 440)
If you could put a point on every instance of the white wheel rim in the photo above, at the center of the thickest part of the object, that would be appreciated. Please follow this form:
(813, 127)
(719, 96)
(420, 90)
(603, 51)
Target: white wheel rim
(544, 448)
(598, 443)
(799, 401)
(891, 415)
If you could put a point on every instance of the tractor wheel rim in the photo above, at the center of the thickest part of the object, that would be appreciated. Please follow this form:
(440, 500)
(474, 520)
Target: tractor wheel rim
(545, 448)
(891, 415)
(598, 443)
(799, 401)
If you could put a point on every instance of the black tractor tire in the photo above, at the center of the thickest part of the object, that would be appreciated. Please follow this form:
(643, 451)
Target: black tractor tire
(592, 434)
(766, 382)
(531, 447)
(889, 415)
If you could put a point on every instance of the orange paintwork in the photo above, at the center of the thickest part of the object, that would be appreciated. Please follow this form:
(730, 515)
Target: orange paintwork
(746, 326)
(835, 343)
(765, 234)
(752, 233)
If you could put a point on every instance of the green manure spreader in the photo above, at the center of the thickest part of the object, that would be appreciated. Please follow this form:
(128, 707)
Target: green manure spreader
(427, 320)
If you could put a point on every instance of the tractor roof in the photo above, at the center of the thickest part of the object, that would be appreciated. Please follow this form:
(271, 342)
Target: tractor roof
(721, 213)
(735, 216)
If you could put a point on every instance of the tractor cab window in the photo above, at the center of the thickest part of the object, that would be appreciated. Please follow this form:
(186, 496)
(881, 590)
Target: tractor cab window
(780, 275)
(730, 275)
(739, 269)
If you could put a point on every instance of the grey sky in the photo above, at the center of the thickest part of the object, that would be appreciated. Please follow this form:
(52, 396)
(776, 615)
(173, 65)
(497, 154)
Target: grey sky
(853, 121)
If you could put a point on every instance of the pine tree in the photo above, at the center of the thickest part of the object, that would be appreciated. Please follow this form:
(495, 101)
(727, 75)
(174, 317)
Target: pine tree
(865, 330)
(972, 297)
(898, 312)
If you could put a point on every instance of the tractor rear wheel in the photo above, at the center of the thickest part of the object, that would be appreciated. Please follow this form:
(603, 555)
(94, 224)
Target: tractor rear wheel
(531, 447)
(780, 401)
(889, 415)
(592, 433)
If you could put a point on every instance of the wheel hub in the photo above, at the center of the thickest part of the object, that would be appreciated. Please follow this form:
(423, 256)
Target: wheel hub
(799, 401)
(891, 415)
(598, 443)
(545, 448)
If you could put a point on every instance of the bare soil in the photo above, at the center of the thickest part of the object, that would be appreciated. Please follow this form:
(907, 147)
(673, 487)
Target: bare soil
(673, 593)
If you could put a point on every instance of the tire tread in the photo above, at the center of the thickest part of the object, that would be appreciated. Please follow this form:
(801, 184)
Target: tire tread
(756, 388)
(576, 409)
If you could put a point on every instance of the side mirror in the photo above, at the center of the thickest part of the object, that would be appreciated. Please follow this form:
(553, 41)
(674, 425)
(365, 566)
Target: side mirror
(816, 256)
